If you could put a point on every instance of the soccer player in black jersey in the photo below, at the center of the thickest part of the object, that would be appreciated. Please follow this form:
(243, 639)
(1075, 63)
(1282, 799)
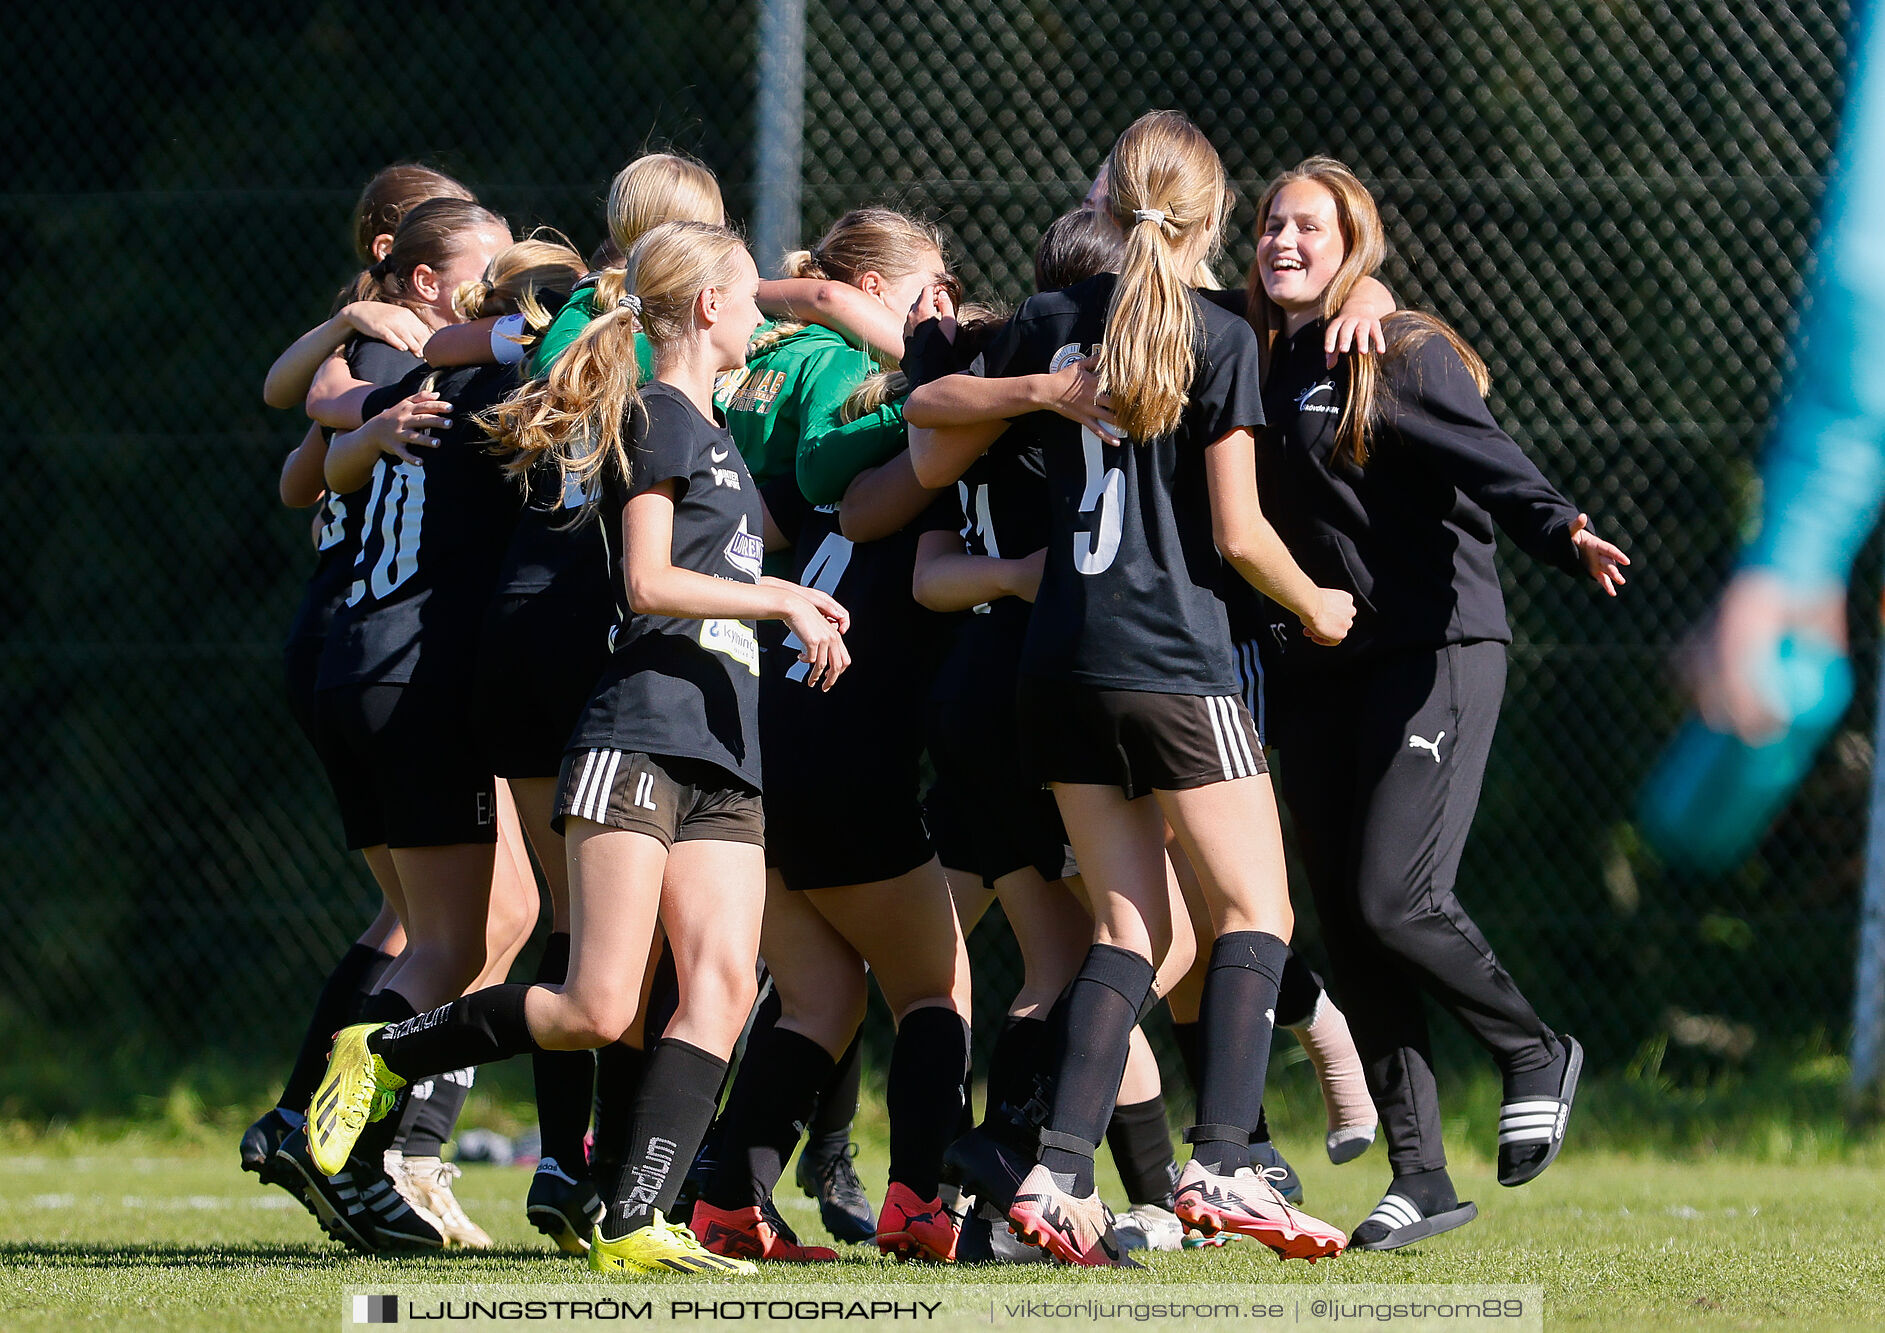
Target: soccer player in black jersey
(993, 828)
(660, 790)
(1129, 686)
(382, 1218)
(1386, 474)
(858, 882)
(392, 689)
(548, 620)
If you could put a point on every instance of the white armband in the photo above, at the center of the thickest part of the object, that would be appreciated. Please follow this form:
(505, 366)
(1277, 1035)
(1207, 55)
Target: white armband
(504, 336)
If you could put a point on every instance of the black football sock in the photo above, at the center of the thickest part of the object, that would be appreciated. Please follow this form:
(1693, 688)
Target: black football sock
(664, 999)
(1430, 1191)
(619, 1070)
(475, 1029)
(837, 1100)
(773, 1095)
(765, 1018)
(564, 1080)
(386, 1006)
(1014, 1107)
(346, 987)
(1260, 1132)
(1141, 1142)
(1102, 1007)
(435, 1116)
(1189, 1038)
(1047, 1064)
(1298, 993)
(1238, 1016)
(965, 1118)
(924, 1092)
(671, 1113)
(1544, 1075)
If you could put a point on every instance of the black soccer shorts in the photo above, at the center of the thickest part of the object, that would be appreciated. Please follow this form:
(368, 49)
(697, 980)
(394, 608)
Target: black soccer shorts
(984, 811)
(539, 659)
(406, 768)
(843, 778)
(1136, 740)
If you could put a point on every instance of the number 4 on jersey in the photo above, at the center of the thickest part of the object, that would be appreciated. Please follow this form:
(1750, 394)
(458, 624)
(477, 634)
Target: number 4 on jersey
(824, 573)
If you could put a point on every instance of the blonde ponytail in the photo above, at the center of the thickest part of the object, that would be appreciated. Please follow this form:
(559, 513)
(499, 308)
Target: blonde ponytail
(574, 418)
(885, 386)
(1167, 192)
(801, 264)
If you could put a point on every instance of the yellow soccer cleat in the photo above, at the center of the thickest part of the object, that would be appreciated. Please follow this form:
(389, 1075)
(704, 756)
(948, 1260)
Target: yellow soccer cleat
(357, 1088)
(660, 1247)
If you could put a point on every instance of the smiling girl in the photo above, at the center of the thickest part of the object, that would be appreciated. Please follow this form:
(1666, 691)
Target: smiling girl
(1386, 475)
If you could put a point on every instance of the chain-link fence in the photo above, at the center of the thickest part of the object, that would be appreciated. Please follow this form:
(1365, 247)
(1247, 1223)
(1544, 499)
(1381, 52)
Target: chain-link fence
(1613, 202)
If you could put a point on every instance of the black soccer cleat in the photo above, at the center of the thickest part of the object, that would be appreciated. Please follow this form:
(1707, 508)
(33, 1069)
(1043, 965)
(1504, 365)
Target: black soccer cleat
(828, 1175)
(359, 1206)
(261, 1155)
(260, 1142)
(334, 1200)
(986, 1239)
(565, 1209)
(991, 1170)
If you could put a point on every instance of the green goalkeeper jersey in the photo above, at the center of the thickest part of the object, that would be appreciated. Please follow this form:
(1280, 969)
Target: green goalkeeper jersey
(570, 321)
(785, 411)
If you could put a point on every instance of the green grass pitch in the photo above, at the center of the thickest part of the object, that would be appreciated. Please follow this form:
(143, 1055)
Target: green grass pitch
(175, 1237)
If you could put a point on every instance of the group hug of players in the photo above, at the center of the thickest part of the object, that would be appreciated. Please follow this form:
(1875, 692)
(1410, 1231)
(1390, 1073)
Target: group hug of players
(671, 578)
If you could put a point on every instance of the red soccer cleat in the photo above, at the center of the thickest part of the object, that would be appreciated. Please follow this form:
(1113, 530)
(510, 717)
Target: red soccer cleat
(744, 1233)
(913, 1228)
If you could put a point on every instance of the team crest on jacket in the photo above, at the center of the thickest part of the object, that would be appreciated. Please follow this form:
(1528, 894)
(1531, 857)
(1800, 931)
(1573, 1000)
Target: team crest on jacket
(746, 551)
(1303, 403)
(1067, 355)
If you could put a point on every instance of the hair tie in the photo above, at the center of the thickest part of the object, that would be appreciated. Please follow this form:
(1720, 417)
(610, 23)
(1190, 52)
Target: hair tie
(631, 303)
(382, 268)
(1148, 215)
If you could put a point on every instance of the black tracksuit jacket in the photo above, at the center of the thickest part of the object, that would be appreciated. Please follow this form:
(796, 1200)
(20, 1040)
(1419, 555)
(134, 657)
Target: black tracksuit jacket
(1410, 534)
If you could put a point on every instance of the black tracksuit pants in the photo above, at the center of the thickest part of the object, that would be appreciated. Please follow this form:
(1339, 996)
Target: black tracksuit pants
(1381, 768)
